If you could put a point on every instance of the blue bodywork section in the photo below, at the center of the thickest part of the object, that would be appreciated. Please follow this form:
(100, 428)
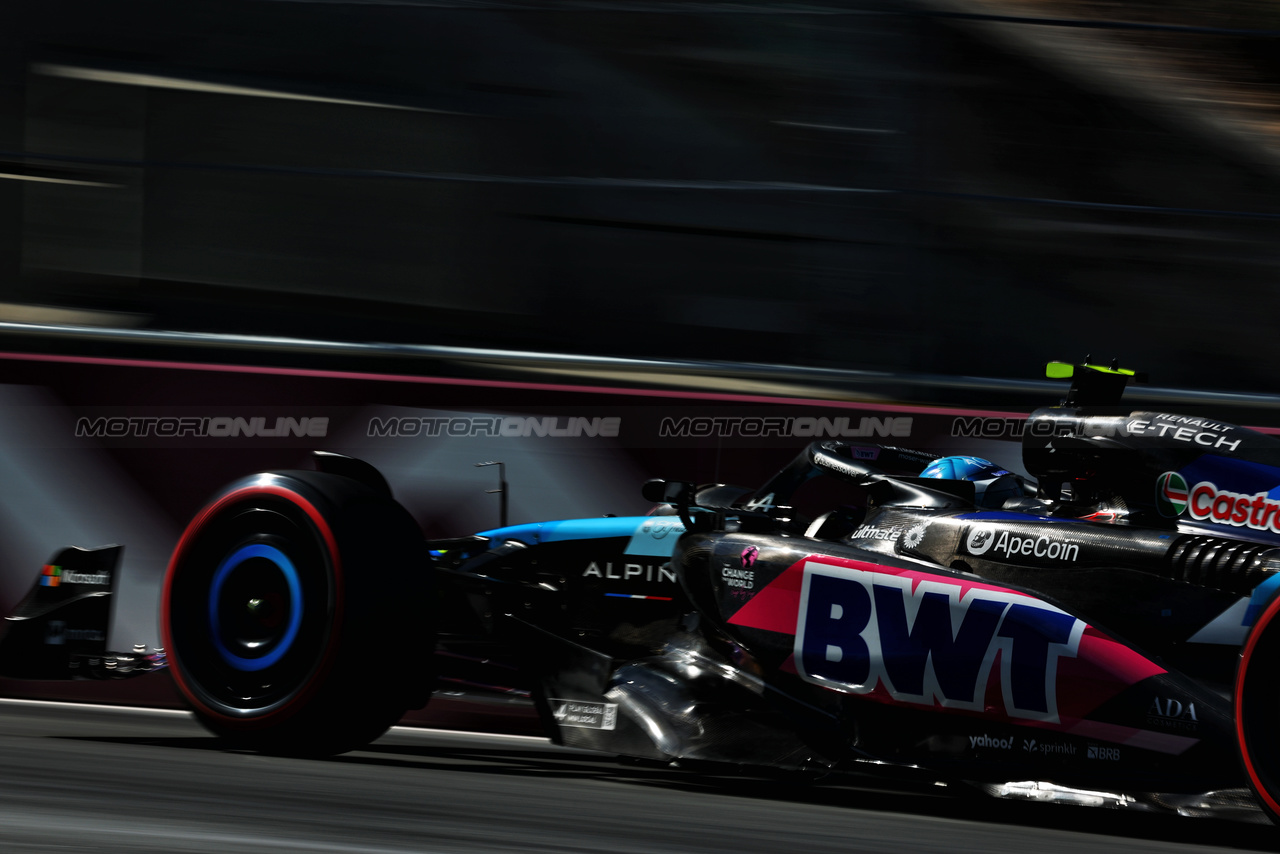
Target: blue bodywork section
(1233, 474)
(654, 536)
(568, 529)
(1258, 600)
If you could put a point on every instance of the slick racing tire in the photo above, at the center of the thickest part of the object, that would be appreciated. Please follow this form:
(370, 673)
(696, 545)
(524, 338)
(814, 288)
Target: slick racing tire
(296, 613)
(1257, 692)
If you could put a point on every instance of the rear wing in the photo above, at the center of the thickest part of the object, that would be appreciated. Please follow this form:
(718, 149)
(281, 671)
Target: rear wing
(60, 629)
(1093, 385)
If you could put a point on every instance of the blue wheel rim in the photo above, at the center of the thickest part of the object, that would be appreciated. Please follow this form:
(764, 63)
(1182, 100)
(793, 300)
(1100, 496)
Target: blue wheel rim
(290, 574)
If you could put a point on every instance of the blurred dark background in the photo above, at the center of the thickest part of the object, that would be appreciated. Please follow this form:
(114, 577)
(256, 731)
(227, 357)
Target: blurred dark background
(944, 186)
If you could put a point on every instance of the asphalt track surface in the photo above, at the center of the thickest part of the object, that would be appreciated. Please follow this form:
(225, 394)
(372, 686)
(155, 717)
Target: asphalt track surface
(84, 778)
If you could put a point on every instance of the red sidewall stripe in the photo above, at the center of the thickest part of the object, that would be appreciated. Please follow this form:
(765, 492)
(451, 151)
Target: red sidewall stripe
(188, 537)
(1245, 660)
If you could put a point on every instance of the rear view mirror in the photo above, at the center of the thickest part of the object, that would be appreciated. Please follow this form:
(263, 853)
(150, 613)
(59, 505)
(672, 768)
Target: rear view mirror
(667, 491)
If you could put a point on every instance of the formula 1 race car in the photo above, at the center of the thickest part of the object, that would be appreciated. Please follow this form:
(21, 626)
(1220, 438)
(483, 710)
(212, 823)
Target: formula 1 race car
(1103, 636)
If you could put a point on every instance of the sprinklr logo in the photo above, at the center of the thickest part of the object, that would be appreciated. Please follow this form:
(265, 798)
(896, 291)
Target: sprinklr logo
(1048, 748)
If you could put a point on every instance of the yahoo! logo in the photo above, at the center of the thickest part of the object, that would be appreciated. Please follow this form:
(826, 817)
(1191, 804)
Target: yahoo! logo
(931, 642)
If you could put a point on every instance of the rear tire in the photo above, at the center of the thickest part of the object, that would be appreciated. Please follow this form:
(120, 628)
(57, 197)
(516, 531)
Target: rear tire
(296, 613)
(1257, 692)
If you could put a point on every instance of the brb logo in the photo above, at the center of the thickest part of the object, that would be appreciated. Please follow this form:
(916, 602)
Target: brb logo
(933, 642)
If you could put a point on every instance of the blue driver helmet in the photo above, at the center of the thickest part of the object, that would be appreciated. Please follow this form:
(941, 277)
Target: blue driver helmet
(992, 485)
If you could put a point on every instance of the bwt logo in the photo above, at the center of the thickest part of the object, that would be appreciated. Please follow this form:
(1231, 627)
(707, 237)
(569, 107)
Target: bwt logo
(860, 629)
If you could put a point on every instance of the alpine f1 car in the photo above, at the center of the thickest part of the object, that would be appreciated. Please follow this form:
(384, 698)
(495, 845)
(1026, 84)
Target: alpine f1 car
(1106, 635)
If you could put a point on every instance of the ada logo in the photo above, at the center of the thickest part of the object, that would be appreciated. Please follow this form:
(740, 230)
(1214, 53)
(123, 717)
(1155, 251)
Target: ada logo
(1172, 714)
(1171, 494)
(931, 641)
